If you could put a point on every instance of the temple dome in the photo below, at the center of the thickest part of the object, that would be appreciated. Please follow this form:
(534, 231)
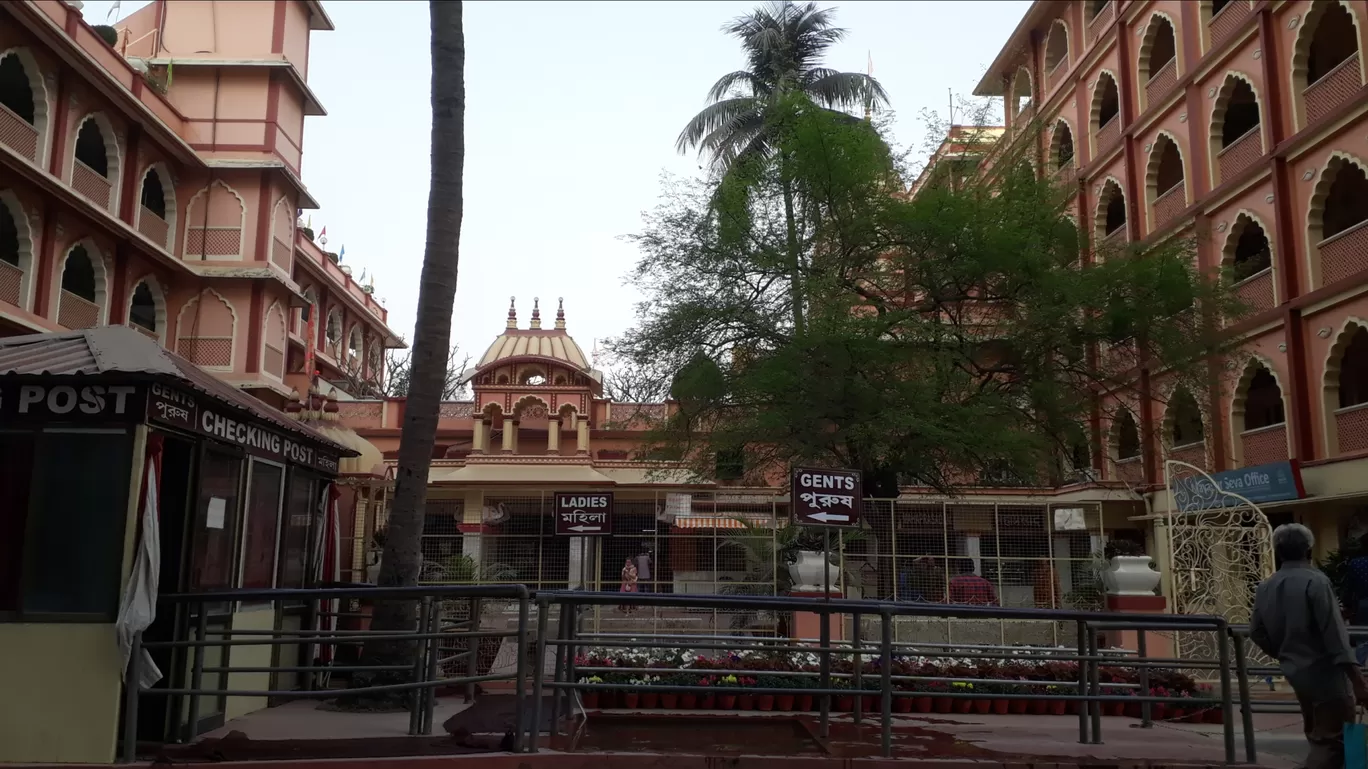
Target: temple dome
(553, 345)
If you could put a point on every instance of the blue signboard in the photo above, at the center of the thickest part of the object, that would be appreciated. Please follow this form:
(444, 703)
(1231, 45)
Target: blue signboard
(1275, 482)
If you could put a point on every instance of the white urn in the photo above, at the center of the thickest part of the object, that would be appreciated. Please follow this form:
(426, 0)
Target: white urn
(806, 573)
(1130, 575)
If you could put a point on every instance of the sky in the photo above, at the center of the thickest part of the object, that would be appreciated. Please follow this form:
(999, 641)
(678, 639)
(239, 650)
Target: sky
(572, 111)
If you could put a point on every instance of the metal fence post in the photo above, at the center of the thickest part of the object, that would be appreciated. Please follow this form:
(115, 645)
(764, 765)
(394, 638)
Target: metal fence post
(824, 670)
(130, 710)
(434, 651)
(1082, 682)
(1146, 707)
(886, 668)
(419, 667)
(520, 679)
(1246, 714)
(539, 675)
(473, 646)
(1094, 706)
(197, 670)
(857, 684)
(559, 675)
(1227, 709)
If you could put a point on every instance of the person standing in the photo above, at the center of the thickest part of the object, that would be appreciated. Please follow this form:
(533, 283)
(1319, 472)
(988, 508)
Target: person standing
(1297, 621)
(629, 582)
(644, 570)
(969, 588)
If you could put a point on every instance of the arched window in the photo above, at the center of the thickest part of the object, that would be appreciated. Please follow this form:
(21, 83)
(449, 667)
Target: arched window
(1248, 250)
(1184, 420)
(1353, 373)
(1057, 47)
(9, 240)
(273, 342)
(19, 95)
(1346, 204)
(1236, 140)
(1339, 208)
(1022, 92)
(1062, 146)
(81, 291)
(1106, 107)
(1096, 7)
(1165, 180)
(142, 311)
(1263, 404)
(1112, 205)
(1241, 115)
(90, 148)
(1127, 437)
(1218, 5)
(207, 330)
(156, 209)
(215, 217)
(1326, 67)
(1159, 49)
(333, 334)
(153, 195)
(354, 351)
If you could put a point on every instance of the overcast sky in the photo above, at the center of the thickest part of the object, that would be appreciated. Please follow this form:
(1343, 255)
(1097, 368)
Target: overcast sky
(572, 110)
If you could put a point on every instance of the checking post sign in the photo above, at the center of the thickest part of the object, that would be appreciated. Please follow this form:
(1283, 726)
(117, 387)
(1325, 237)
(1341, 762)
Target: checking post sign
(584, 513)
(825, 497)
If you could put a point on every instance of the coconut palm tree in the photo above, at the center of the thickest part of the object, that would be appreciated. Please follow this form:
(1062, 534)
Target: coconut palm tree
(402, 560)
(784, 44)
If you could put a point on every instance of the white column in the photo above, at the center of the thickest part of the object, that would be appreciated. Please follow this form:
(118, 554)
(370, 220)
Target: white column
(583, 425)
(510, 431)
(478, 436)
(553, 435)
(576, 566)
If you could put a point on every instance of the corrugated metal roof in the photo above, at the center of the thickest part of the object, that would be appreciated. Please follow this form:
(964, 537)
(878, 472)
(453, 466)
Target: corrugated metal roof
(120, 349)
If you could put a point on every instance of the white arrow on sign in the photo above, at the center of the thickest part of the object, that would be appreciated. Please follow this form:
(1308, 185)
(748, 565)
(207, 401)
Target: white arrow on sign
(825, 517)
(586, 528)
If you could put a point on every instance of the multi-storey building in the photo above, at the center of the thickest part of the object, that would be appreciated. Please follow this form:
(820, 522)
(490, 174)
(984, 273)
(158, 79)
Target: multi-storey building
(162, 191)
(1240, 123)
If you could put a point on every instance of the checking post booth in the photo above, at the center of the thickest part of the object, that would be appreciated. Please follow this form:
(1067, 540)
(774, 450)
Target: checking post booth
(126, 471)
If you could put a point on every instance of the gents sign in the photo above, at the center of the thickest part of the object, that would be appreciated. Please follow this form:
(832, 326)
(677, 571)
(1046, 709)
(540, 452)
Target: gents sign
(824, 497)
(178, 408)
(584, 513)
(70, 403)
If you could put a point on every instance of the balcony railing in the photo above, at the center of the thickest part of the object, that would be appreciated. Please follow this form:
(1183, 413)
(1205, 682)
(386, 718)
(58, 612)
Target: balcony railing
(281, 253)
(1344, 253)
(77, 312)
(145, 331)
(1099, 22)
(1169, 204)
(1108, 134)
(1161, 82)
(209, 351)
(1264, 444)
(213, 241)
(90, 184)
(17, 134)
(1227, 20)
(1061, 68)
(1130, 470)
(1192, 453)
(11, 282)
(1256, 291)
(273, 362)
(1241, 153)
(154, 227)
(1067, 173)
(1351, 427)
(1333, 89)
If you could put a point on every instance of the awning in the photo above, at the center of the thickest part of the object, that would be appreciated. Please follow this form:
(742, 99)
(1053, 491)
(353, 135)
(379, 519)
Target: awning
(726, 522)
(521, 473)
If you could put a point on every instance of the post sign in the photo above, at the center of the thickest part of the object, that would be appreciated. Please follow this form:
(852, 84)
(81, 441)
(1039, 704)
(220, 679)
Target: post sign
(1274, 482)
(584, 513)
(57, 401)
(825, 497)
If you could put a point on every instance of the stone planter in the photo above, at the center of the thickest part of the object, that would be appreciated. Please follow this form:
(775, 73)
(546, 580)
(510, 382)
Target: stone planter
(806, 572)
(1130, 575)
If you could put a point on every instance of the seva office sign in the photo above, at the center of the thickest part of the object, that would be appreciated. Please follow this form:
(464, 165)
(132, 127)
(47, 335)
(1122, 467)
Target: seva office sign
(825, 497)
(1274, 482)
(584, 513)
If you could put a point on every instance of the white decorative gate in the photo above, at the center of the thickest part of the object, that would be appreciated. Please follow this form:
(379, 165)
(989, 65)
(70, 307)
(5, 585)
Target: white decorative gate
(1220, 548)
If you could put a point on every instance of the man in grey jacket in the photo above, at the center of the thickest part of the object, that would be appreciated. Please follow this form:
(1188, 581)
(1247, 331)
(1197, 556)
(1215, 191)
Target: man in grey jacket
(1297, 620)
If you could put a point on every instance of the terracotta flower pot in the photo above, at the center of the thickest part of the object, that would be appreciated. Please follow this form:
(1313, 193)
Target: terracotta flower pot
(1001, 707)
(921, 704)
(945, 705)
(845, 703)
(983, 707)
(726, 701)
(902, 705)
(1131, 710)
(964, 705)
(1058, 707)
(805, 703)
(1071, 708)
(1040, 707)
(590, 700)
(688, 701)
(745, 702)
(784, 702)
(1018, 707)
(1117, 709)
(1159, 711)
(764, 702)
(1215, 716)
(631, 701)
(1175, 714)
(707, 702)
(870, 704)
(669, 701)
(650, 701)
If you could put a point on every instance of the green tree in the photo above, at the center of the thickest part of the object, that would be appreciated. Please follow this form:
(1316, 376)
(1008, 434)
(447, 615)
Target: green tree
(948, 335)
(784, 44)
(402, 560)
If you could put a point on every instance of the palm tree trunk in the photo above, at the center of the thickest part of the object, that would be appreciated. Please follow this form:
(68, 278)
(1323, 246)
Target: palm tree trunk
(794, 259)
(431, 336)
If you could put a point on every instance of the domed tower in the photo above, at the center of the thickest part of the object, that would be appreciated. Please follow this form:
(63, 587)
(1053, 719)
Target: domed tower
(530, 380)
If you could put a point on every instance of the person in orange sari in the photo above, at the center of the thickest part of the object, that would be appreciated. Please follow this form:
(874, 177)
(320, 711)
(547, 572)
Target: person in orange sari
(629, 582)
(1046, 586)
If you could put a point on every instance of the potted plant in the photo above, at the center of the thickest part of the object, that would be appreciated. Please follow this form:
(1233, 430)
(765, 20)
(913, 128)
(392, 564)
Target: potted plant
(785, 702)
(1129, 571)
(844, 702)
(765, 702)
(670, 700)
(963, 704)
(649, 700)
(107, 34)
(804, 702)
(745, 700)
(1058, 707)
(727, 700)
(688, 700)
(590, 697)
(631, 698)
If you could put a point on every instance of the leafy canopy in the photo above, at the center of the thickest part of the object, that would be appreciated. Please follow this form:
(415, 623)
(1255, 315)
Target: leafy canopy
(949, 334)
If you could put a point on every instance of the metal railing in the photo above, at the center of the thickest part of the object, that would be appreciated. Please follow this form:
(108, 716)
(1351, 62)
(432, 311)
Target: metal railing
(431, 636)
(834, 679)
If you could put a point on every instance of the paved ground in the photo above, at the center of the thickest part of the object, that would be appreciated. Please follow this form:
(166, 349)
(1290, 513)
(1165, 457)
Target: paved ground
(989, 739)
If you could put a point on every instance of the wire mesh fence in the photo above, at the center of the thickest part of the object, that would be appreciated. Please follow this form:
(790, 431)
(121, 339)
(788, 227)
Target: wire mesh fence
(937, 552)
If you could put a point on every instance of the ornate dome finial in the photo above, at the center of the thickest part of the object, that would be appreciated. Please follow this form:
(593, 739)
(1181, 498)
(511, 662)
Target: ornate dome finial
(536, 312)
(560, 313)
(512, 312)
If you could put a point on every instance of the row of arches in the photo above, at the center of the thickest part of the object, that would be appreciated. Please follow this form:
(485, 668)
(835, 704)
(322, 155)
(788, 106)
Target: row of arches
(356, 352)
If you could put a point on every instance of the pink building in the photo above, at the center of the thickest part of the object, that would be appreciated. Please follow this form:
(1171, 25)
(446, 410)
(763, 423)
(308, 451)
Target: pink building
(165, 195)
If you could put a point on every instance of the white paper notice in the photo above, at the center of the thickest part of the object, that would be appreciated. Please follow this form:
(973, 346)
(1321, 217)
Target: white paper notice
(217, 508)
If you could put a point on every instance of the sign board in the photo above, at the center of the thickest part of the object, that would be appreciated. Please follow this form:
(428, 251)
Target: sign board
(56, 401)
(825, 497)
(584, 513)
(1274, 482)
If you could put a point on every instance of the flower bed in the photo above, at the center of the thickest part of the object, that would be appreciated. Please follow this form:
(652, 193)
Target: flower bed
(1030, 682)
